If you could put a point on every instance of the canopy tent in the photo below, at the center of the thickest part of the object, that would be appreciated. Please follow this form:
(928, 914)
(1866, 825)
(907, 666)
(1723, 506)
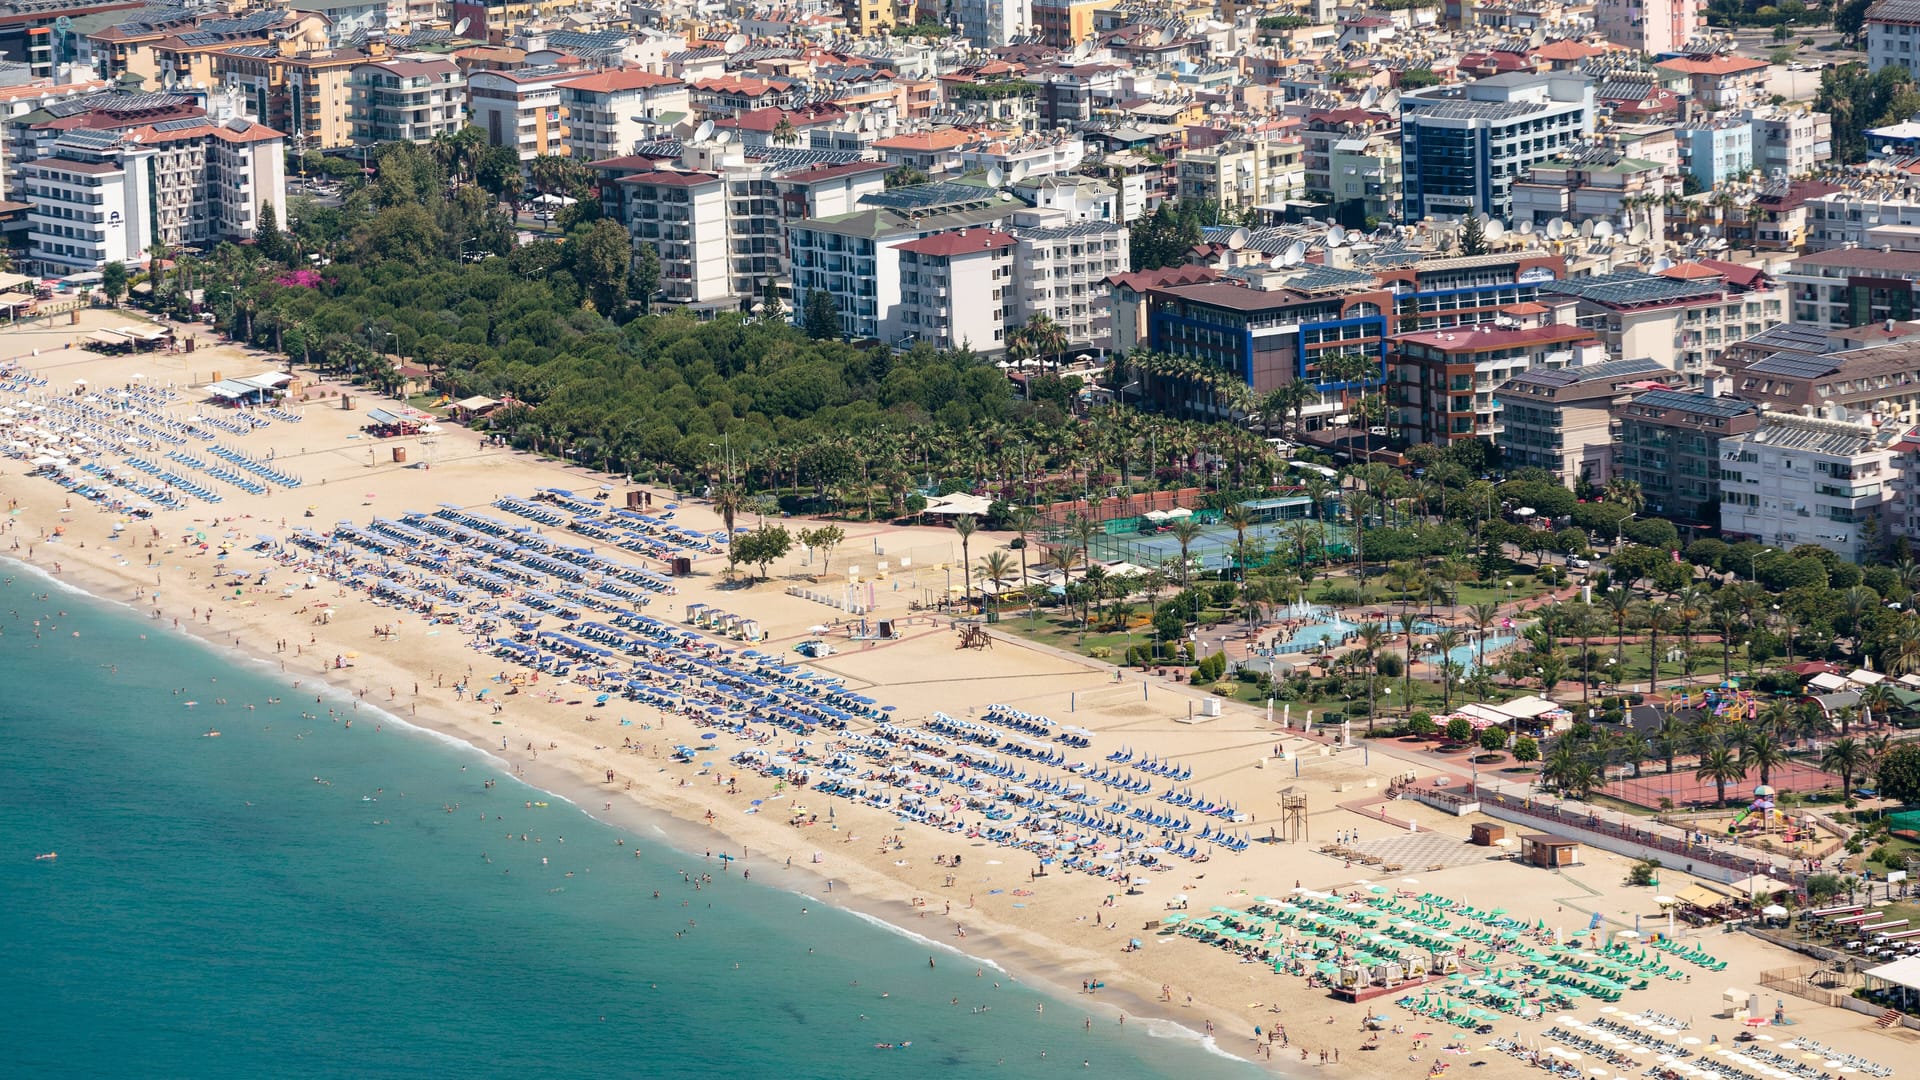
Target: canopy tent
(1904, 973)
(1759, 885)
(960, 503)
(108, 339)
(1700, 896)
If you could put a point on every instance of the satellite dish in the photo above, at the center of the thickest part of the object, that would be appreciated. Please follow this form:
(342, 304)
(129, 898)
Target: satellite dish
(1238, 238)
(1368, 99)
(1638, 234)
(1336, 236)
(169, 77)
(1706, 231)
(460, 27)
(1279, 262)
(1483, 217)
(995, 177)
(1661, 264)
(703, 132)
(1295, 254)
(1526, 227)
(1602, 230)
(1586, 227)
(1556, 228)
(1496, 229)
(734, 44)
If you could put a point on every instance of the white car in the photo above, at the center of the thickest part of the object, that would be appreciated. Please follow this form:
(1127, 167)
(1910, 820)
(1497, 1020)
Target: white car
(1577, 563)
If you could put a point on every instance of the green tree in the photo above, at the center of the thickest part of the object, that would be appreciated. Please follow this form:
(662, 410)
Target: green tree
(906, 176)
(728, 502)
(822, 316)
(268, 240)
(1644, 873)
(764, 545)
(645, 281)
(1720, 766)
(1526, 749)
(600, 256)
(964, 526)
(1899, 773)
(1473, 236)
(113, 281)
(824, 539)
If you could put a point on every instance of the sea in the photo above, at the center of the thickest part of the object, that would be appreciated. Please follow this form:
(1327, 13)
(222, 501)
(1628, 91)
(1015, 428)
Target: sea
(299, 898)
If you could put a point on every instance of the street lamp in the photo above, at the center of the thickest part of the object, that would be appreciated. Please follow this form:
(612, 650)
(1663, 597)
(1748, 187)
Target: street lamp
(1753, 560)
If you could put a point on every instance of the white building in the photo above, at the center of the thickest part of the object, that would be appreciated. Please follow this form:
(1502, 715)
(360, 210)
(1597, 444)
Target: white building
(1064, 268)
(1807, 480)
(608, 112)
(519, 109)
(988, 22)
(406, 100)
(111, 196)
(1893, 26)
(1839, 218)
(954, 289)
(1789, 141)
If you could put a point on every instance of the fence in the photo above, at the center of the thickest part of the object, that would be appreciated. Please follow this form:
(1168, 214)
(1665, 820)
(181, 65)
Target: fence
(1815, 982)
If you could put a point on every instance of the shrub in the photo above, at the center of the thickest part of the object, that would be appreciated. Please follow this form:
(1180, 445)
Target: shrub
(1459, 730)
(1420, 724)
(1355, 708)
(1526, 749)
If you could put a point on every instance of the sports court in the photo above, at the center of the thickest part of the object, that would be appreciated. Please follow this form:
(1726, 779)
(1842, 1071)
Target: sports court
(1684, 788)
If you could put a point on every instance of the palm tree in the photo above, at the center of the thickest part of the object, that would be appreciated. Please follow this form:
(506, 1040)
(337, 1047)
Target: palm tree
(1720, 765)
(1185, 532)
(1670, 738)
(1877, 698)
(1023, 521)
(1847, 757)
(1626, 493)
(1408, 621)
(1359, 507)
(1240, 519)
(784, 132)
(1447, 640)
(964, 525)
(1484, 614)
(1044, 336)
(996, 567)
(1763, 753)
(1619, 603)
(1082, 530)
(728, 502)
(1659, 617)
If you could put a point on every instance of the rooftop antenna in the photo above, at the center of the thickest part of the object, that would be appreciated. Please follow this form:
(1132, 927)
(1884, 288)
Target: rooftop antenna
(1602, 230)
(1526, 227)
(996, 177)
(1295, 254)
(1556, 228)
(1238, 238)
(1336, 236)
(1496, 230)
(460, 27)
(702, 133)
(734, 44)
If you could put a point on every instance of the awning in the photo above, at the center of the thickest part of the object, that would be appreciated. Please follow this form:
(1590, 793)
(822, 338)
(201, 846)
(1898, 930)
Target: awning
(474, 404)
(1903, 972)
(107, 338)
(382, 416)
(15, 299)
(1699, 896)
(231, 390)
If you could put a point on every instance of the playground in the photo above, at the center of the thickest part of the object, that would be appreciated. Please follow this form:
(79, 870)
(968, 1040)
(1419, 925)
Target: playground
(1684, 789)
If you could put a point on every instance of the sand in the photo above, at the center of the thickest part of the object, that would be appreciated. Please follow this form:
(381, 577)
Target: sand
(1061, 928)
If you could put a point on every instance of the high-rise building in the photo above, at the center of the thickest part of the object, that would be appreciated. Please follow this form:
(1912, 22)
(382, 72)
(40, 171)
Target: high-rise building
(1464, 146)
(609, 112)
(406, 100)
(1796, 480)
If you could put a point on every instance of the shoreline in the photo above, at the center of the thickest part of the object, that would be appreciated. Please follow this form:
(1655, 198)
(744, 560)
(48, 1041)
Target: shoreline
(989, 947)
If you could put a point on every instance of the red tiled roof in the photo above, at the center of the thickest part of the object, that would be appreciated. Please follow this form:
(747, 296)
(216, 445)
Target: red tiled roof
(670, 178)
(615, 80)
(1744, 276)
(1565, 50)
(1714, 65)
(959, 242)
(1142, 280)
(1691, 271)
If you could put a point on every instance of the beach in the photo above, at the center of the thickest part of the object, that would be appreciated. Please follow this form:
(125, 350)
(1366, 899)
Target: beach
(616, 760)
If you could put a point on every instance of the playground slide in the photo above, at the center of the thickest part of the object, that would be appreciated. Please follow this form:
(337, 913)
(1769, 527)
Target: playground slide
(1737, 819)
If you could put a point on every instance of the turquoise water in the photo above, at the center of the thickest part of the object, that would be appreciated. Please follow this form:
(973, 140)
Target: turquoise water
(215, 911)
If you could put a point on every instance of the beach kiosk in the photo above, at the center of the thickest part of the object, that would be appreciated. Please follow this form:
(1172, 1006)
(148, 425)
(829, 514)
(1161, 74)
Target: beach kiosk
(1549, 852)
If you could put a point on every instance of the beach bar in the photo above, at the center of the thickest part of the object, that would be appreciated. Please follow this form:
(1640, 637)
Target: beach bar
(1549, 852)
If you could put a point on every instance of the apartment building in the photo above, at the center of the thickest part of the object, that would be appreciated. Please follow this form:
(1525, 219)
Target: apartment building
(1847, 287)
(1559, 419)
(520, 109)
(1442, 382)
(1808, 480)
(1243, 173)
(1892, 27)
(1844, 217)
(1717, 81)
(1881, 381)
(610, 112)
(1262, 332)
(1596, 184)
(1716, 150)
(855, 257)
(1352, 158)
(1902, 512)
(1062, 24)
(111, 195)
(1788, 141)
(1063, 270)
(989, 23)
(405, 100)
(1683, 318)
(1650, 26)
(1668, 442)
(1463, 147)
(293, 86)
(956, 288)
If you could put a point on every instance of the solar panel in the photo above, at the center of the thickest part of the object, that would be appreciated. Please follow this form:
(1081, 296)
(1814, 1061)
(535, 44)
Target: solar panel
(1794, 367)
(786, 157)
(927, 196)
(1694, 403)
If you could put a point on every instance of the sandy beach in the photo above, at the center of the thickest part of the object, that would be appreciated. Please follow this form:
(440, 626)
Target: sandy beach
(1064, 928)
